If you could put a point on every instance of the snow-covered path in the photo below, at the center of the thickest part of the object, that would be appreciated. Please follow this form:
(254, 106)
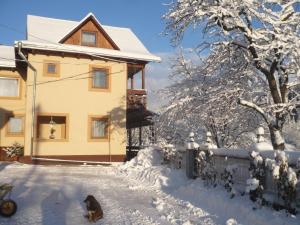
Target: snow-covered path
(142, 191)
(53, 195)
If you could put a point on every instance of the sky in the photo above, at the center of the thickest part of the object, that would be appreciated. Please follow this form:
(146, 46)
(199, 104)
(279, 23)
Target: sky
(144, 17)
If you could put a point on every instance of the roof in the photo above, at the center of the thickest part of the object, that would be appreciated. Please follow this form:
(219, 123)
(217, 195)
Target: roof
(52, 31)
(97, 52)
(7, 56)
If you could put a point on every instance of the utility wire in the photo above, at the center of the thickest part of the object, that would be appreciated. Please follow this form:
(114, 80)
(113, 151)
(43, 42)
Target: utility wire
(62, 63)
(64, 78)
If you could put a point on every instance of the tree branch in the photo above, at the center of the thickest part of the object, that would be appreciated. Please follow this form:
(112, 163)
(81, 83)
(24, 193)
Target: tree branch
(256, 108)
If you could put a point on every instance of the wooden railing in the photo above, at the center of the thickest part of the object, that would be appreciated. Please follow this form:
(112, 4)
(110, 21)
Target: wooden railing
(136, 99)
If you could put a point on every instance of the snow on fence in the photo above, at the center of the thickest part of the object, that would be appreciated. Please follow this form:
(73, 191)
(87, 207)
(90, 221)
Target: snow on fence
(238, 160)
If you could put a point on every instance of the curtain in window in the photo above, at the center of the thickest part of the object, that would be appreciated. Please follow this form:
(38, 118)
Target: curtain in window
(15, 125)
(99, 79)
(9, 87)
(98, 128)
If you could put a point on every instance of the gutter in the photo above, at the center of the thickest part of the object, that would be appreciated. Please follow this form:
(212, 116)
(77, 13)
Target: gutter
(20, 53)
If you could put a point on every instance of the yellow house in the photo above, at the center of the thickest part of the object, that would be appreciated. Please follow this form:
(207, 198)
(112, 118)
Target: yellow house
(67, 92)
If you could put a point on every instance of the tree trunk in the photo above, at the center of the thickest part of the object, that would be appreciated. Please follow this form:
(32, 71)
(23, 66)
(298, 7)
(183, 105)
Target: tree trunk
(276, 138)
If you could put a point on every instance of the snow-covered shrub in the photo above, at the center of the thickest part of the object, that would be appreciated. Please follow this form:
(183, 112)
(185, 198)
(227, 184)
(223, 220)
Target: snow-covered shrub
(205, 167)
(286, 180)
(227, 177)
(256, 168)
(255, 191)
(172, 156)
(15, 150)
(257, 176)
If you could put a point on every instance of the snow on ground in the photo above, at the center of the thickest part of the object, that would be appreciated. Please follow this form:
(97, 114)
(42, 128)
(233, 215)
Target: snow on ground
(141, 191)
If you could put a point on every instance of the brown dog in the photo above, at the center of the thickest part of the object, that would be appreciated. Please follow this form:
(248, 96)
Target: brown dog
(94, 209)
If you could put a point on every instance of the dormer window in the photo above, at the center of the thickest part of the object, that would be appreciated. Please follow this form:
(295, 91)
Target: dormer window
(88, 38)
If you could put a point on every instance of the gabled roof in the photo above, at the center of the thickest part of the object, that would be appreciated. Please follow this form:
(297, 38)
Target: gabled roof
(52, 31)
(88, 17)
(7, 56)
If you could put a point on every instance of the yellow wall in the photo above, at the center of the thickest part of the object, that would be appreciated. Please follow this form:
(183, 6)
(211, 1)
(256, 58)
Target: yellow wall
(15, 106)
(71, 96)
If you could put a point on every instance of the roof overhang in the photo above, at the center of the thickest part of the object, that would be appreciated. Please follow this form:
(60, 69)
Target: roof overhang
(90, 51)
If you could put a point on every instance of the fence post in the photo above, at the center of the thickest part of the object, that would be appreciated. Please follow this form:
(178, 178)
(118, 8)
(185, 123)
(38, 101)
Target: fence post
(260, 135)
(191, 151)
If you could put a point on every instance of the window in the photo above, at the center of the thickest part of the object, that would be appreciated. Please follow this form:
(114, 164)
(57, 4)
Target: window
(15, 125)
(88, 38)
(98, 127)
(51, 68)
(100, 79)
(52, 127)
(9, 87)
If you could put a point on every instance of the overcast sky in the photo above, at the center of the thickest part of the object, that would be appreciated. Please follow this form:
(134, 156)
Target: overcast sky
(142, 16)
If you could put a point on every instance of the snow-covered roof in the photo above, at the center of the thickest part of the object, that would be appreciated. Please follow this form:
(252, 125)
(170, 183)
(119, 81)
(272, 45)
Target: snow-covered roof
(101, 52)
(7, 56)
(51, 31)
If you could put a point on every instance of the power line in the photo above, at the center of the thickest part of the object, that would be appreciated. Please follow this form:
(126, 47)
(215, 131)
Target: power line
(62, 63)
(73, 76)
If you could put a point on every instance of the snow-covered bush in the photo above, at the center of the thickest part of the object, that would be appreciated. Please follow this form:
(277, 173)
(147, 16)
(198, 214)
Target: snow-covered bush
(255, 191)
(172, 156)
(285, 178)
(257, 168)
(257, 176)
(15, 150)
(227, 177)
(205, 167)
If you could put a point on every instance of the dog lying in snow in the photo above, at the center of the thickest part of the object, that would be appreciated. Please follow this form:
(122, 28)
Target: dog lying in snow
(94, 209)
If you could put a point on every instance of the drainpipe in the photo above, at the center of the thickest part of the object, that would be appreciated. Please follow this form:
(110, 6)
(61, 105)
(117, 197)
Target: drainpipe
(20, 53)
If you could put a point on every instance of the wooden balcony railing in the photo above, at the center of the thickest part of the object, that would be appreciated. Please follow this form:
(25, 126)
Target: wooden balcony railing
(136, 99)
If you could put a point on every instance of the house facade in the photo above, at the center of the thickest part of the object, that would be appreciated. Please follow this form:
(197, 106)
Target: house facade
(68, 90)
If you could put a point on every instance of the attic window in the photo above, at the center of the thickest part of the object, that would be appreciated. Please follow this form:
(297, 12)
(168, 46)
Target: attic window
(88, 38)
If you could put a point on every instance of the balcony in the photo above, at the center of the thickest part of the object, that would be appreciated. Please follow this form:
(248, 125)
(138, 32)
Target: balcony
(136, 99)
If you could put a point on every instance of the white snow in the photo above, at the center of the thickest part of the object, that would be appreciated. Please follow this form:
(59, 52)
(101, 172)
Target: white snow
(141, 191)
(7, 56)
(252, 184)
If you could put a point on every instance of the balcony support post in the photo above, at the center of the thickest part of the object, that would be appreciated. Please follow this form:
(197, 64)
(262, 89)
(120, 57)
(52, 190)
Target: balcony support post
(132, 83)
(143, 78)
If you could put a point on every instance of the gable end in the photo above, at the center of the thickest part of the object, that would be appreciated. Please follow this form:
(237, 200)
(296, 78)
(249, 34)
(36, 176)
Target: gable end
(90, 25)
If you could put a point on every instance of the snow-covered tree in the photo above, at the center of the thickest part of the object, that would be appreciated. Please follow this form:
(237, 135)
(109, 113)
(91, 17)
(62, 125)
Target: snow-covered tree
(204, 93)
(265, 32)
